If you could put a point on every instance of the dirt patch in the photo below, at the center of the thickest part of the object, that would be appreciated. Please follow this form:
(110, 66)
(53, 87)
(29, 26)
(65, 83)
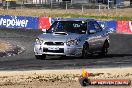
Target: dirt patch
(7, 49)
(60, 78)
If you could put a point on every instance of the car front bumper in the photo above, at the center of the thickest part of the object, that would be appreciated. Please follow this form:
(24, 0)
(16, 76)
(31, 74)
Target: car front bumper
(58, 50)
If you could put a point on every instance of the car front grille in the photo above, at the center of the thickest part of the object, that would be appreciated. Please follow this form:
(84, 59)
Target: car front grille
(61, 50)
(54, 43)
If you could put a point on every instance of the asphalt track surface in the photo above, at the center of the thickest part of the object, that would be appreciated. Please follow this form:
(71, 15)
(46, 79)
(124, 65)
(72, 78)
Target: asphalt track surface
(120, 54)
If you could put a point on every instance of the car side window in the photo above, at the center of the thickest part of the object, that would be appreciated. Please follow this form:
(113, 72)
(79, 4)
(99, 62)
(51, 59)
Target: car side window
(90, 25)
(93, 25)
(97, 26)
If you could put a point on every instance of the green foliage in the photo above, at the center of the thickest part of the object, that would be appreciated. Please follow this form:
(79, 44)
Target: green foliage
(125, 18)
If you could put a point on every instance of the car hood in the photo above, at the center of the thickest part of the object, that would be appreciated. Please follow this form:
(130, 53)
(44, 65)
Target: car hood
(61, 37)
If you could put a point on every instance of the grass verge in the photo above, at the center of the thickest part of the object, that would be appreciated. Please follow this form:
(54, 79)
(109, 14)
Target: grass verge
(112, 14)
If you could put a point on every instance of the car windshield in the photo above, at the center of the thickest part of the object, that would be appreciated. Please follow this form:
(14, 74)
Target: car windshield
(78, 27)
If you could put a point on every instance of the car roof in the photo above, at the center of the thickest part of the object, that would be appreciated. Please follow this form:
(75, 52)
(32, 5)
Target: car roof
(75, 19)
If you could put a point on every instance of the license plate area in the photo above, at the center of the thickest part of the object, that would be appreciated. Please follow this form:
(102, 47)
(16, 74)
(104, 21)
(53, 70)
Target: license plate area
(53, 48)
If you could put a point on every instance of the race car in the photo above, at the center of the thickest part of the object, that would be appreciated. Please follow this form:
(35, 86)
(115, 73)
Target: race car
(72, 37)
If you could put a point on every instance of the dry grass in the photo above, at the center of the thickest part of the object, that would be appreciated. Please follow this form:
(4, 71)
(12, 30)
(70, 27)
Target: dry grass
(119, 14)
(4, 46)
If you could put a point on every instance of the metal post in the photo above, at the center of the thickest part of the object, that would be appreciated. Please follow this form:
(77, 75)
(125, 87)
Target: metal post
(7, 4)
(21, 3)
(36, 3)
(71, 2)
(66, 5)
(82, 9)
(108, 4)
(42, 3)
(45, 1)
(116, 8)
(99, 8)
(51, 5)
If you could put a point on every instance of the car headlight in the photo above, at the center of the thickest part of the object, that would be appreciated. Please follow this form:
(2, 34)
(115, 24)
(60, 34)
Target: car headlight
(38, 41)
(72, 42)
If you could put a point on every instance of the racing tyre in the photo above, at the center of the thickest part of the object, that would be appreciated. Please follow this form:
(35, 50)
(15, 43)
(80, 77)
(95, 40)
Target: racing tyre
(85, 50)
(104, 50)
(40, 57)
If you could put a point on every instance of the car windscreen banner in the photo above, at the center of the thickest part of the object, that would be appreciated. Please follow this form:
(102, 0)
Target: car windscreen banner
(124, 27)
(44, 23)
(18, 22)
(108, 25)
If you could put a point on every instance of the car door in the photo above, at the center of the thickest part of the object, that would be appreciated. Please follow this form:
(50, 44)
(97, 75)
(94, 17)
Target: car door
(94, 39)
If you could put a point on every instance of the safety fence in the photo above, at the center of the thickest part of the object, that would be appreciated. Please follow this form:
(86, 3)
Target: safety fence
(39, 23)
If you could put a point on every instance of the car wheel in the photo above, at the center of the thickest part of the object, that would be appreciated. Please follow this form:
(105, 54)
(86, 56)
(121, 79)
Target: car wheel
(85, 50)
(40, 57)
(104, 50)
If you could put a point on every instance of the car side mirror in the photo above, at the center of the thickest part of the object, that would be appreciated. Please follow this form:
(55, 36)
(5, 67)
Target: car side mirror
(44, 31)
(92, 31)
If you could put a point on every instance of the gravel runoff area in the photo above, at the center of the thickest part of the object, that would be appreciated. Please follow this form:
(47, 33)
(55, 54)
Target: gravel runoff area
(60, 78)
(52, 78)
(8, 49)
(22, 38)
